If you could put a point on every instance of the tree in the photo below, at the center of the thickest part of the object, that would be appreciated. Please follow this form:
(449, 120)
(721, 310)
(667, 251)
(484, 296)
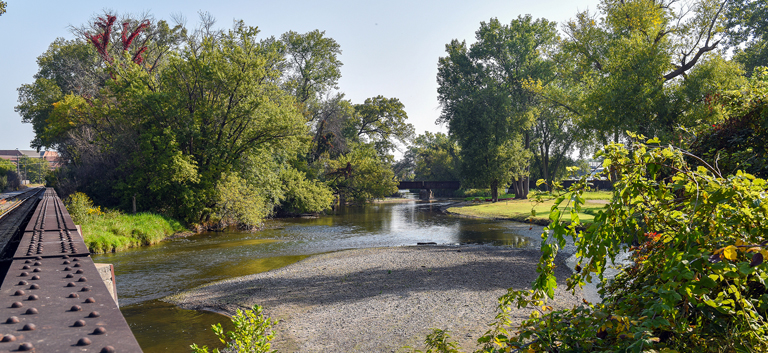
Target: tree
(632, 61)
(486, 101)
(362, 174)
(436, 157)
(33, 169)
(748, 29)
(553, 137)
(3, 4)
(312, 64)
(381, 121)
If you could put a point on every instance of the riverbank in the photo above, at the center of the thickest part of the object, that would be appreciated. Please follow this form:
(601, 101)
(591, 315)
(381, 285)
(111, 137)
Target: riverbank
(113, 231)
(381, 299)
(520, 210)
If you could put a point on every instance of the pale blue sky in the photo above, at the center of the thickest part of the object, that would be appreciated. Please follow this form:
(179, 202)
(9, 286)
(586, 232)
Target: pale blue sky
(388, 48)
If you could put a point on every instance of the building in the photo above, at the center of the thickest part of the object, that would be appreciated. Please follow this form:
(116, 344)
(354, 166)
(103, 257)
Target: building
(52, 157)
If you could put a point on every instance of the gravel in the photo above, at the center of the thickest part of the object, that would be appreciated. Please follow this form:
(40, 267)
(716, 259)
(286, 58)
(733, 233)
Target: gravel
(382, 299)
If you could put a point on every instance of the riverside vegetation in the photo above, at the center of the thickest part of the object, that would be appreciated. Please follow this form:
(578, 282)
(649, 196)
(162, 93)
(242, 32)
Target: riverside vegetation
(110, 231)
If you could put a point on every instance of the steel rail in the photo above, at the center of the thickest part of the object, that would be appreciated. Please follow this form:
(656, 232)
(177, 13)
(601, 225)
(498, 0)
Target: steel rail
(53, 298)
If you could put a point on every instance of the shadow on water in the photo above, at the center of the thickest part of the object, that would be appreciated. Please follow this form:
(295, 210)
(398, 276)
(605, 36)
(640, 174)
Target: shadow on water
(145, 275)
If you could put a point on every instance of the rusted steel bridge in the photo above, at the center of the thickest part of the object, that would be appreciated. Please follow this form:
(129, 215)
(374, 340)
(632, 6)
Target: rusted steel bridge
(53, 298)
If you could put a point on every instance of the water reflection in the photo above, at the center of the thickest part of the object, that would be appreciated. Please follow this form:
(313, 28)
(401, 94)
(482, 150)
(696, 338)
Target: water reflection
(150, 273)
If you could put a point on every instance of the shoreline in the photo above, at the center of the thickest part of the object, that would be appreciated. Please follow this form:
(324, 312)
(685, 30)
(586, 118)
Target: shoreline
(381, 299)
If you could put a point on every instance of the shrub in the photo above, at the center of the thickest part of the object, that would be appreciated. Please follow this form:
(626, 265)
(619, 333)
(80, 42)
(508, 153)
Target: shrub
(252, 333)
(80, 207)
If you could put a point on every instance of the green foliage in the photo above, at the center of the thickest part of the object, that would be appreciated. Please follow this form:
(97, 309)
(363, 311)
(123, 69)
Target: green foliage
(251, 335)
(629, 60)
(361, 175)
(313, 66)
(438, 342)
(748, 30)
(697, 281)
(739, 141)
(3, 4)
(303, 195)
(6, 169)
(381, 121)
(239, 202)
(79, 206)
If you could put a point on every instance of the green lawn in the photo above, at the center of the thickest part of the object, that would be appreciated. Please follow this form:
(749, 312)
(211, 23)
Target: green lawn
(520, 210)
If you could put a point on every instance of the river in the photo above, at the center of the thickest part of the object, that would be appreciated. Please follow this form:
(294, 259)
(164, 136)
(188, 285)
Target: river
(145, 275)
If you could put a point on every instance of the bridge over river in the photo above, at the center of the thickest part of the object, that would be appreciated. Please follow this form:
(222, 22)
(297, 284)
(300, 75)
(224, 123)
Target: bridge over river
(427, 186)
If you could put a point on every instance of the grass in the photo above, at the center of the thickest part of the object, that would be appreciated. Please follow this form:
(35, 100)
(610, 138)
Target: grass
(113, 231)
(520, 210)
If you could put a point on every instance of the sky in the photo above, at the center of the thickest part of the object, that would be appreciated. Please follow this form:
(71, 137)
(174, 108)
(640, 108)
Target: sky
(389, 48)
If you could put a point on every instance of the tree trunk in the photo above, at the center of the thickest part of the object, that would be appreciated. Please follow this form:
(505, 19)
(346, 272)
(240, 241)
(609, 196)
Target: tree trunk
(495, 190)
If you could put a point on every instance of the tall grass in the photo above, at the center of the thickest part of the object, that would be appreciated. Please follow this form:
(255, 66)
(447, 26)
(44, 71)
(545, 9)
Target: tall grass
(111, 231)
(114, 231)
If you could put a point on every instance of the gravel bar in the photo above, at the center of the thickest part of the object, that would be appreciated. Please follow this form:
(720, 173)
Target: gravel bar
(381, 299)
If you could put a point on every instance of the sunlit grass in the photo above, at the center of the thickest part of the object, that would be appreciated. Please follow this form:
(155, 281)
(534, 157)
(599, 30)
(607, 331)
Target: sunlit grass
(115, 231)
(521, 209)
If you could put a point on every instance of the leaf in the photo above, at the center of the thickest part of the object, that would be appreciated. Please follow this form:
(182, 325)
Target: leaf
(731, 252)
(757, 259)
(554, 216)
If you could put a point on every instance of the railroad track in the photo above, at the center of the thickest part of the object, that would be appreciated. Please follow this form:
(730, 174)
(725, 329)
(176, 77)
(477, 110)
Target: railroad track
(52, 298)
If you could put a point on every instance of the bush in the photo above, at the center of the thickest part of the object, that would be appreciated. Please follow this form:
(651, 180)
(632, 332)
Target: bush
(252, 333)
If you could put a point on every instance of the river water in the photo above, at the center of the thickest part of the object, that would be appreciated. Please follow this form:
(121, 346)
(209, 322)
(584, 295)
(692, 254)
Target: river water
(145, 275)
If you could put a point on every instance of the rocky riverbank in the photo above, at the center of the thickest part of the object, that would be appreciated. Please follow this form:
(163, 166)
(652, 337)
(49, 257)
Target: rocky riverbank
(381, 299)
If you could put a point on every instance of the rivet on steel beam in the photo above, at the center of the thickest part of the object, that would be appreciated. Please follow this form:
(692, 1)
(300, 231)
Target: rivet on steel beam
(17, 305)
(108, 349)
(31, 311)
(71, 284)
(26, 267)
(94, 314)
(24, 274)
(77, 265)
(74, 295)
(66, 262)
(86, 289)
(12, 320)
(90, 300)
(78, 272)
(67, 268)
(19, 292)
(28, 262)
(29, 327)
(26, 346)
(99, 331)
(76, 259)
(69, 275)
(38, 258)
(79, 323)
(33, 297)
(37, 269)
(38, 263)
(82, 279)
(34, 286)
(23, 283)
(65, 257)
(9, 338)
(35, 277)
(75, 308)
(83, 341)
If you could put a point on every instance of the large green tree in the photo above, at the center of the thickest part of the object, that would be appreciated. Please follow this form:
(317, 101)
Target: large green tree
(486, 101)
(634, 60)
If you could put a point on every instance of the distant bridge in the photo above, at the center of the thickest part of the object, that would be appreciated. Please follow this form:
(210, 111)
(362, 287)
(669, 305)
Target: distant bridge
(429, 185)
